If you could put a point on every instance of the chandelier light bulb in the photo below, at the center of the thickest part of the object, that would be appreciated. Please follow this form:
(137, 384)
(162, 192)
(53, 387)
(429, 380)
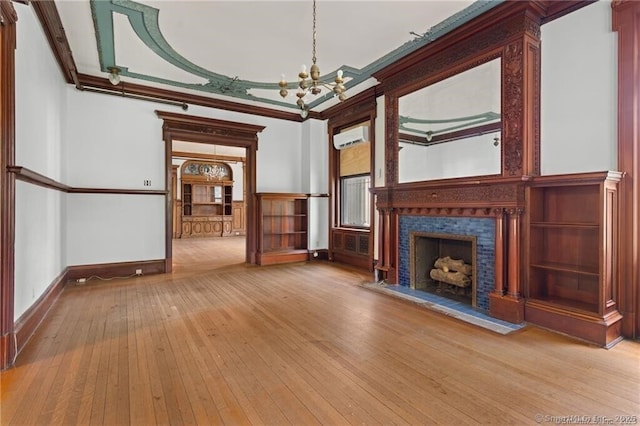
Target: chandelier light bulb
(283, 87)
(114, 75)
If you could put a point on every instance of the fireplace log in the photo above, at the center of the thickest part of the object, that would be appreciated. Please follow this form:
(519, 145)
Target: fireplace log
(455, 278)
(447, 264)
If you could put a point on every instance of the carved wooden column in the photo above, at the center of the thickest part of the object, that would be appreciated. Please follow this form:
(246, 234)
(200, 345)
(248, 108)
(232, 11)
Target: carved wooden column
(521, 90)
(384, 243)
(626, 22)
(499, 253)
(8, 18)
(509, 306)
(513, 266)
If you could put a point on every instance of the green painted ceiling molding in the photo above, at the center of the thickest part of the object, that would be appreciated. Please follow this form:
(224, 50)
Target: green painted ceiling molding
(144, 22)
(462, 123)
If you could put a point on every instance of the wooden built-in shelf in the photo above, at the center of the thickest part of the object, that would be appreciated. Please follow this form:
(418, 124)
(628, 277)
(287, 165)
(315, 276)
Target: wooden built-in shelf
(571, 255)
(282, 233)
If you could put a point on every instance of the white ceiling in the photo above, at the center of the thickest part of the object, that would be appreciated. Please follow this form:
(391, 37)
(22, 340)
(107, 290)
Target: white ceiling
(251, 41)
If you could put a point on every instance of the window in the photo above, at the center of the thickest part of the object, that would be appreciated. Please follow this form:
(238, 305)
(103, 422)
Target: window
(354, 177)
(356, 200)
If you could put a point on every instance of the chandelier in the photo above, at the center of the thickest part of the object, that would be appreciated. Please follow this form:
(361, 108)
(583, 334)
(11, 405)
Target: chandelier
(213, 171)
(313, 85)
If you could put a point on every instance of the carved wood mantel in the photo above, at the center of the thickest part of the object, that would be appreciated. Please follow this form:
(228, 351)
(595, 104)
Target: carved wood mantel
(512, 33)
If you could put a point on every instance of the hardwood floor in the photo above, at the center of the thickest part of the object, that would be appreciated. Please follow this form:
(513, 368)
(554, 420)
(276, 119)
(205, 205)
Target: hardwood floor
(219, 342)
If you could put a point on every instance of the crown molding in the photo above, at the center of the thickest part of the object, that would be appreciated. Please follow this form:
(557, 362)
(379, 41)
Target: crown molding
(49, 18)
(124, 89)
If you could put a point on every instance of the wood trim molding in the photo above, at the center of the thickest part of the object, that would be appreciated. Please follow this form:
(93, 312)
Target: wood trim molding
(360, 109)
(7, 182)
(626, 22)
(171, 95)
(209, 130)
(47, 13)
(114, 270)
(557, 9)
(201, 156)
(27, 175)
(189, 128)
(352, 109)
(29, 321)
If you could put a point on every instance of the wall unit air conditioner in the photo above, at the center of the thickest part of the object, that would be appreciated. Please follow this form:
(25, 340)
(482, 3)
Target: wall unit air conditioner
(351, 137)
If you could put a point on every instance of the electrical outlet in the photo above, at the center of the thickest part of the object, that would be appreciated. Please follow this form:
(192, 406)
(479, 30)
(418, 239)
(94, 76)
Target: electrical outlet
(147, 182)
(138, 271)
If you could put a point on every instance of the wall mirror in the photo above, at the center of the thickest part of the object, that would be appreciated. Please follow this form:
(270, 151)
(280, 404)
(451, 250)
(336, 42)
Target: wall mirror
(452, 128)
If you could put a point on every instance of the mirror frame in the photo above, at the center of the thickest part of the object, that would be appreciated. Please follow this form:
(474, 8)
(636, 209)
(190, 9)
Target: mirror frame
(438, 78)
(516, 40)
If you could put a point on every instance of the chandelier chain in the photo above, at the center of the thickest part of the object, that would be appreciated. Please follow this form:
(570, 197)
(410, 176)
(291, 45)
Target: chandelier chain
(313, 85)
(314, 32)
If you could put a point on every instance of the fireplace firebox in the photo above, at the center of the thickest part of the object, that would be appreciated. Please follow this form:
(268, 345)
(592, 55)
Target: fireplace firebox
(444, 264)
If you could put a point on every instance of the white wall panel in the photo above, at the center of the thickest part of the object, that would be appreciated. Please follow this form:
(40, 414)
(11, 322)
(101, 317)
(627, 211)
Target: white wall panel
(40, 91)
(113, 142)
(38, 256)
(39, 229)
(114, 228)
(579, 92)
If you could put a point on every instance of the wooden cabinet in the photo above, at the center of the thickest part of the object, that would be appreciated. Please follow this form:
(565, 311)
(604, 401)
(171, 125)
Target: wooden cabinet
(571, 258)
(282, 228)
(207, 198)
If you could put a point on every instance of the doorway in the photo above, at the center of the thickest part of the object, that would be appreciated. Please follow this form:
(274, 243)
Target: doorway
(209, 194)
(220, 133)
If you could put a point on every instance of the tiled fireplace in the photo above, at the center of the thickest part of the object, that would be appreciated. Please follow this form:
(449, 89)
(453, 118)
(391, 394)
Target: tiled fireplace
(480, 234)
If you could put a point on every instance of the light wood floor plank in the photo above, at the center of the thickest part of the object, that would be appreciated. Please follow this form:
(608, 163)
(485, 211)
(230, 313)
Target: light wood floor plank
(220, 342)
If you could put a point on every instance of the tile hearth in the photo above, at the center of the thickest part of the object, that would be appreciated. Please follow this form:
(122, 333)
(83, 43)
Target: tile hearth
(446, 306)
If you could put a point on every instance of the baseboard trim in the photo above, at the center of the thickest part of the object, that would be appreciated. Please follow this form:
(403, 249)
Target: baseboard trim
(29, 321)
(115, 270)
(26, 325)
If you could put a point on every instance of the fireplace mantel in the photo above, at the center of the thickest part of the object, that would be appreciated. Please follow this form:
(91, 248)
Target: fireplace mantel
(454, 197)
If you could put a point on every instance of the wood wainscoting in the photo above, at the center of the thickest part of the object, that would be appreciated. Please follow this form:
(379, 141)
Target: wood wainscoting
(352, 247)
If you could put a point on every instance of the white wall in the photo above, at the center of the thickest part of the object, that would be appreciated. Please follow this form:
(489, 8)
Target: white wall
(315, 172)
(39, 228)
(579, 92)
(278, 163)
(113, 143)
(117, 143)
(111, 228)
